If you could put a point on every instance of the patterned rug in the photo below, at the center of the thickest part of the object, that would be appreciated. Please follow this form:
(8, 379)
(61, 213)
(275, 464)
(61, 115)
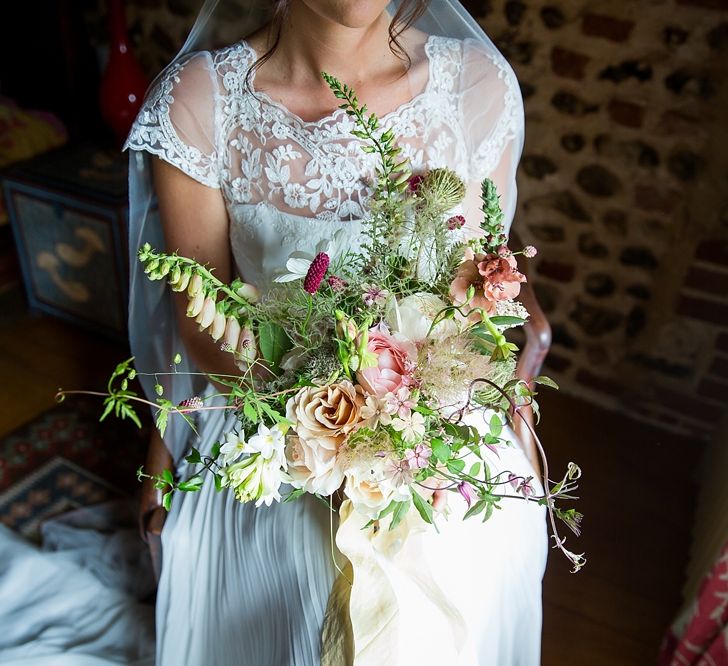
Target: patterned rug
(65, 459)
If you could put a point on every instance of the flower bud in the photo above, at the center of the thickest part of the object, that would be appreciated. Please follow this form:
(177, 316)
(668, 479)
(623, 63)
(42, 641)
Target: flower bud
(182, 282)
(247, 351)
(207, 314)
(232, 333)
(194, 307)
(174, 276)
(195, 286)
(217, 329)
(151, 266)
(249, 292)
(345, 327)
(164, 268)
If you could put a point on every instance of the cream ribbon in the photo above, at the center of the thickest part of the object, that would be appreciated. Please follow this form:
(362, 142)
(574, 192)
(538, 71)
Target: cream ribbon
(362, 621)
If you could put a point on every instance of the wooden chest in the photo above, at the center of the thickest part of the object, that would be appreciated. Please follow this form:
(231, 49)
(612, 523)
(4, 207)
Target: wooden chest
(69, 210)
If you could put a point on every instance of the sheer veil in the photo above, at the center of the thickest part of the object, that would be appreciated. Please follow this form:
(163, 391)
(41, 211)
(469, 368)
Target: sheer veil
(153, 331)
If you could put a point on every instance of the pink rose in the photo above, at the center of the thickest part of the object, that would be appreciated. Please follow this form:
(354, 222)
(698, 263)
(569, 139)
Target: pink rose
(395, 361)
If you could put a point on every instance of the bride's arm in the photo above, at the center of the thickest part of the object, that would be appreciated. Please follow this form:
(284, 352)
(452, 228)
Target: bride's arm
(195, 224)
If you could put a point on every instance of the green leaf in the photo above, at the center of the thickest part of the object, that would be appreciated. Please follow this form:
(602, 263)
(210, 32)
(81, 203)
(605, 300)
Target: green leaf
(456, 466)
(194, 457)
(488, 511)
(546, 381)
(423, 508)
(215, 450)
(475, 509)
(161, 421)
(167, 476)
(507, 321)
(495, 425)
(386, 511)
(400, 511)
(109, 402)
(294, 495)
(191, 485)
(167, 500)
(440, 450)
(475, 469)
(250, 412)
(273, 342)
(218, 481)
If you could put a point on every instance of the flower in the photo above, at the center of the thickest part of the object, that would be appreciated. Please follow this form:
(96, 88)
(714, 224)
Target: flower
(419, 457)
(529, 252)
(467, 491)
(371, 488)
(400, 402)
(232, 333)
(255, 479)
(316, 272)
(455, 222)
(502, 278)
(269, 442)
(336, 283)
(192, 404)
(300, 263)
(398, 472)
(313, 464)
(233, 448)
(412, 427)
(374, 295)
(491, 277)
(247, 350)
(413, 315)
(413, 184)
(330, 412)
(375, 412)
(392, 354)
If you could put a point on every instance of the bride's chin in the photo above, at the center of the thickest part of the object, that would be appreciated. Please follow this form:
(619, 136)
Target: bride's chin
(355, 14)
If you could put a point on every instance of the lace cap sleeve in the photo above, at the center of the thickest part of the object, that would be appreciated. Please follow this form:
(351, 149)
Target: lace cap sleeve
(177, 120)
(493, 120)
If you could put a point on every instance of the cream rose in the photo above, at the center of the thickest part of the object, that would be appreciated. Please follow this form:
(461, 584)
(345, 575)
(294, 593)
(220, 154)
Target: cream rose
(413, 315)
(313, 464)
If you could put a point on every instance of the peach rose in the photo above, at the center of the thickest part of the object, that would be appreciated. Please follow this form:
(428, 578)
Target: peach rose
(395, 360)
(331, 411)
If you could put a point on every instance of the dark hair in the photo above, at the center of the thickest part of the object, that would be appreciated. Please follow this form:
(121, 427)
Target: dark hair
(407, 13)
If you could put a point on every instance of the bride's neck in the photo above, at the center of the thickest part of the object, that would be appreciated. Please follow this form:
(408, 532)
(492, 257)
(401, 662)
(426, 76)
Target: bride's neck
(310, 44)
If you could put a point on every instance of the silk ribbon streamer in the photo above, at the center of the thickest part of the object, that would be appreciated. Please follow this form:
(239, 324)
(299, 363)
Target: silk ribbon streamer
(363, 618)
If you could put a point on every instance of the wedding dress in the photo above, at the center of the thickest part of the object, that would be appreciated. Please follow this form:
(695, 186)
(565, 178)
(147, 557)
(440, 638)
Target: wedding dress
(241, 585)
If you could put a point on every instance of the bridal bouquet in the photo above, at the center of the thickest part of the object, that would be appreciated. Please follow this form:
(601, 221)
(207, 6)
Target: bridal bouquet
(359, 366)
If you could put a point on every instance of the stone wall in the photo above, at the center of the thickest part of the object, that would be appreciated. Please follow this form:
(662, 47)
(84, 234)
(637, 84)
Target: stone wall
(623, 187)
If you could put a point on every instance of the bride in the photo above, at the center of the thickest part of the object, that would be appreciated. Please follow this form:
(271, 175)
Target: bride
(251, 159)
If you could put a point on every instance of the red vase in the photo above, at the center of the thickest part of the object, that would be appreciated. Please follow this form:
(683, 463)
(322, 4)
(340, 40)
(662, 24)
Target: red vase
(123, 84)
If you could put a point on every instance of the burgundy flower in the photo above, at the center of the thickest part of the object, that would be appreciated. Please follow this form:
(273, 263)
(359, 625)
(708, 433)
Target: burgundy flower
(455, 222)
(336, 283)
(414, 184)
(316, 272)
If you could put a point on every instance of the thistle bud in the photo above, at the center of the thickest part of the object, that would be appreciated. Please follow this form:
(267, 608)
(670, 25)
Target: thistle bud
(194, 307)
(217, 330)
(195, 286)
(232, 333)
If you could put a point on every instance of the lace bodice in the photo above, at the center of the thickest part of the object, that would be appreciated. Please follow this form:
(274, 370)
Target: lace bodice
(288, 183)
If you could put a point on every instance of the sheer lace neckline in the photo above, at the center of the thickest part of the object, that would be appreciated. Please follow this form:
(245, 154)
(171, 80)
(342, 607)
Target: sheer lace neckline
(336, 113)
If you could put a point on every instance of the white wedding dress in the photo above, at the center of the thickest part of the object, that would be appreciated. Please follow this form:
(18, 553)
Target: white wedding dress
(249, 586)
